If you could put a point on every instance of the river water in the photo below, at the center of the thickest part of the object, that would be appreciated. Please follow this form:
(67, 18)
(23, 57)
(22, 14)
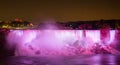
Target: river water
(100, 59)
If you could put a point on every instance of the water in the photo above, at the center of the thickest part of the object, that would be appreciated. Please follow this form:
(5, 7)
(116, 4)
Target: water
(61, 42)
(29, 55)
(100, 59)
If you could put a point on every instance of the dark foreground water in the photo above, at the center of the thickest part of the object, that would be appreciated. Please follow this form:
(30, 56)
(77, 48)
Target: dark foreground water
(63, 60)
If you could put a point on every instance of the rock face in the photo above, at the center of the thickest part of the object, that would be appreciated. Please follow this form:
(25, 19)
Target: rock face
(3, 49)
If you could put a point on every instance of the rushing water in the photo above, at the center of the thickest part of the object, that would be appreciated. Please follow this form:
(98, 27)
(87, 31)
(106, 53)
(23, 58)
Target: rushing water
(62, 42)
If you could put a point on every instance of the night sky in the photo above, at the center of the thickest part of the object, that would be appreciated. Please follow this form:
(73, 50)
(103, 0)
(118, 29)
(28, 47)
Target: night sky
(59, 10)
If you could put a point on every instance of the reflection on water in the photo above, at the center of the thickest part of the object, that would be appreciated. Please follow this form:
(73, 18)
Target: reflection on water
(66, 60)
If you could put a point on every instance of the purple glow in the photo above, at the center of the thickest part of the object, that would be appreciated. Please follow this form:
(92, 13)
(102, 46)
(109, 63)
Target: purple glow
(56, 42)
(95, 36)
(112, 36)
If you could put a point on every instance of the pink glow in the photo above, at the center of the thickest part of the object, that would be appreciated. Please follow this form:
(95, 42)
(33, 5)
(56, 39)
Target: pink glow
(112, 36)
(56, 42)
(94, 35)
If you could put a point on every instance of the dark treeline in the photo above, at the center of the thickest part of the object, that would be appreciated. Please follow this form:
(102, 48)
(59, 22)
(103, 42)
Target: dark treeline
(80, 25)
(88, 25)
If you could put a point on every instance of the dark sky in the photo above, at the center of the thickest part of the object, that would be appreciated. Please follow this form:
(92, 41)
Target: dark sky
(60, 10)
